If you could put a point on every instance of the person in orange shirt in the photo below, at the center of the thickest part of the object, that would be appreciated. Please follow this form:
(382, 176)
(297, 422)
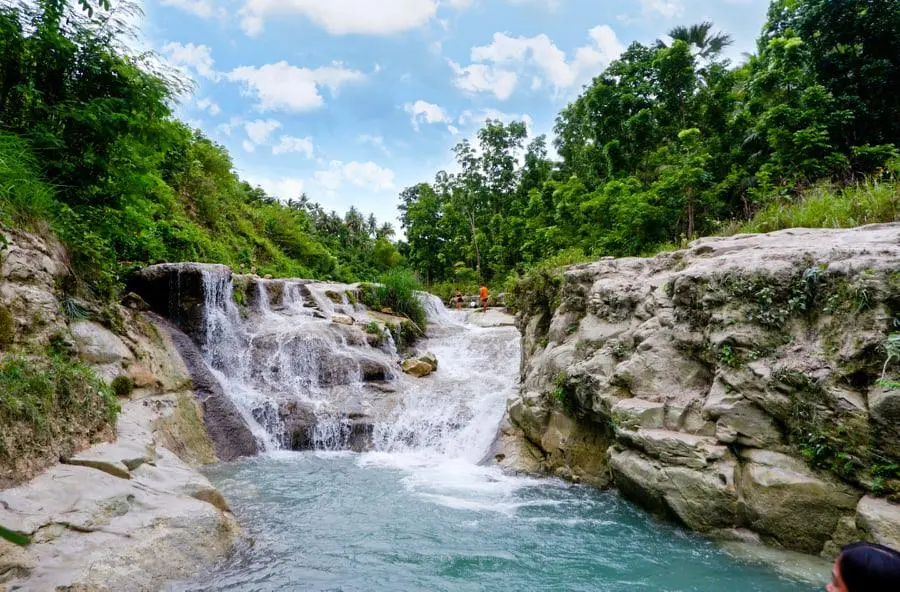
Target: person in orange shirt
(484, 297)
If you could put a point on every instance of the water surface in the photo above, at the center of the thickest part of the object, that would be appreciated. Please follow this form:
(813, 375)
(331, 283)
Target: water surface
(389, 521)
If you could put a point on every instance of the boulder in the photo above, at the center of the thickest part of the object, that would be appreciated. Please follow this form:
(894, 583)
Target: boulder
(430, 358)
(880, 519)
(340, 319)
(702, 500)
(786, 501)
(98, 345)
(416, 367)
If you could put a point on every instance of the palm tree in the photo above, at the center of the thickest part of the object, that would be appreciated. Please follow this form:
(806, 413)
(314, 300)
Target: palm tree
(708, 45)
(386, 231)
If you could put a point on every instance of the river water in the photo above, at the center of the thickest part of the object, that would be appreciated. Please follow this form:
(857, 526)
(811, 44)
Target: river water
(420, 513)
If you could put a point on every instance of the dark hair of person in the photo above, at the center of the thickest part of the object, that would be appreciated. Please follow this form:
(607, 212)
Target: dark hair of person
(868, 567)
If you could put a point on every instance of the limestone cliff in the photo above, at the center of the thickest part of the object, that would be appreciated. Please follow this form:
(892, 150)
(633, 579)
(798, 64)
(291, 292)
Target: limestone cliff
(743, 386)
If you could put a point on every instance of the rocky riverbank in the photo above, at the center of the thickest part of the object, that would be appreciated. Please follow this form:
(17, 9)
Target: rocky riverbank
(741, 387)
(109, 506)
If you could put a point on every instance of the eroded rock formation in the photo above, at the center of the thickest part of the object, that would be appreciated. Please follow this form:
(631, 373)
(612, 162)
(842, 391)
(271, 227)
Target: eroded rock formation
(735, 386)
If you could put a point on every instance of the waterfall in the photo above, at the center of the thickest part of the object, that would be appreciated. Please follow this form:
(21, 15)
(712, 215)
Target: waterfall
(304, 378)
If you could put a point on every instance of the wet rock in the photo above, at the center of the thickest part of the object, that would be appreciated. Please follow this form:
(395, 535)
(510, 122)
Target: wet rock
(702, 500)
(177, 292)
(417, 367)
(226, 427)
(782, 498)
(340, 319)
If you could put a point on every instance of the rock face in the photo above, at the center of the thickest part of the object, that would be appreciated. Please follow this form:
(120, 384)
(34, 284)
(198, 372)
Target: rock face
(132, 515)
(732, 386)
(228, 431)
(134, 512)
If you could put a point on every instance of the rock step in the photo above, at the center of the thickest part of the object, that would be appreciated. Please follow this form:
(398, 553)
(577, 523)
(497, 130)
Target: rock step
(674, 448)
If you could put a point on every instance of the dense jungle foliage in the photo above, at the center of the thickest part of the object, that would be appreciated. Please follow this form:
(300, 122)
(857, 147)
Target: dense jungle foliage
(672, 142)
(90, 147)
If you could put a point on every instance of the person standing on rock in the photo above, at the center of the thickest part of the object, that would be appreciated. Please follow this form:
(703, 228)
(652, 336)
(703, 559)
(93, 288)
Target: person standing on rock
(459, 299)
(483, 293)
(866, 567)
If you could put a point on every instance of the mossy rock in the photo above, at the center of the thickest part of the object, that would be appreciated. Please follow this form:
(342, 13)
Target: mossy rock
(334, 296)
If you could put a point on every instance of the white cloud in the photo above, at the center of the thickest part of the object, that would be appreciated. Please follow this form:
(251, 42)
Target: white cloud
(453, 129)
(541, 54)
(208, 105)
(342, 17)
(361, 174)
(424, 112)
(281, 86)
(201, 8)
(460, 4)
(484, 78)
(248, 146)
(259, 131)
(666, 8)
(192, 57)
(283, 188)
(288, 144)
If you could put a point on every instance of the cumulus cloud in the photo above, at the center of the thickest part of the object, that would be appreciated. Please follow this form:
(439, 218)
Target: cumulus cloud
(479, 116)
(259, 131)
(193, 58)
(342, 17)
(361, 174)
(283, 87)
(287, 144)
(496, 65)
(478, 78)
(425, 112)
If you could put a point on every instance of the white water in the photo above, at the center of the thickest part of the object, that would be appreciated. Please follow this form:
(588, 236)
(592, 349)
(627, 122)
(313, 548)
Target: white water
(280, 348)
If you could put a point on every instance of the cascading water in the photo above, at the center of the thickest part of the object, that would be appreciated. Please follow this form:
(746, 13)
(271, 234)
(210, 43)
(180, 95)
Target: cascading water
(285, 348)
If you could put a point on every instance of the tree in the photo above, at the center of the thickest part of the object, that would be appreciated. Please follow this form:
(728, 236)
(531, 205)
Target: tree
(708, 45)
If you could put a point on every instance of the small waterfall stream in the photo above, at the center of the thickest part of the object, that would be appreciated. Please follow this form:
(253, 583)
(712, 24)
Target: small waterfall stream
(285, 357)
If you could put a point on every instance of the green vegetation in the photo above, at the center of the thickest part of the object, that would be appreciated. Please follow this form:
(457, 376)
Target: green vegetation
(16, 538)
(827, 206)
(122, 386)
(396, 291)
(672, 142)
(7, 328)
(38, 391)
(89, 148)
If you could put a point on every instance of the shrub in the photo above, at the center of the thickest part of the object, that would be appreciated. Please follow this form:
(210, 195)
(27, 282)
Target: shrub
(122, 386)
(397, 291)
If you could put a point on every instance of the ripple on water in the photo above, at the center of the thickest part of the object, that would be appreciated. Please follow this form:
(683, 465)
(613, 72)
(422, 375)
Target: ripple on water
(413, 522)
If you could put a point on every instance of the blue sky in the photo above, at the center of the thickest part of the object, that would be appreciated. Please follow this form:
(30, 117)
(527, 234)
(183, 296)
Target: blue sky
(352, 100)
